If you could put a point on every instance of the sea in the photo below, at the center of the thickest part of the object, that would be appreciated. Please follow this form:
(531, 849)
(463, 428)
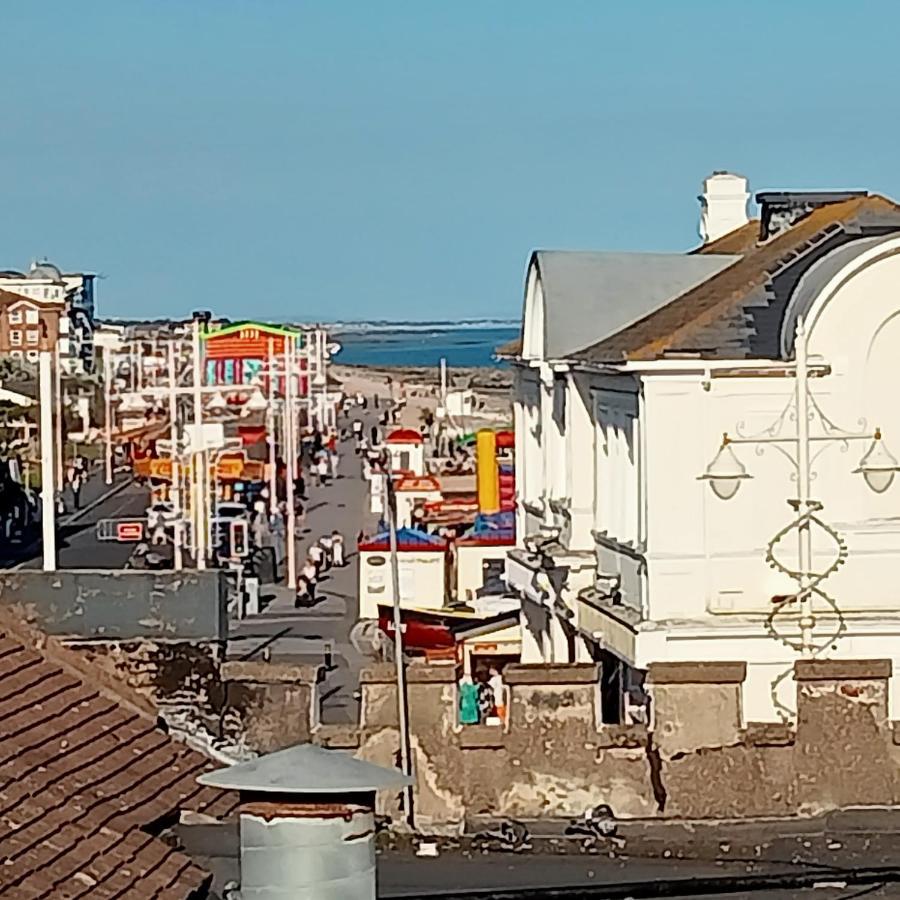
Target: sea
(462, 344)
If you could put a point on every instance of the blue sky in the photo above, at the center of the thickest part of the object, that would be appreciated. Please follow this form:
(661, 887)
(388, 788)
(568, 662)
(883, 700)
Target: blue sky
(290, 160)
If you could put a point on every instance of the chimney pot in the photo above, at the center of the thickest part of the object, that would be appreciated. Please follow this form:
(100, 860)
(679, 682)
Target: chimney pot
(723, 205)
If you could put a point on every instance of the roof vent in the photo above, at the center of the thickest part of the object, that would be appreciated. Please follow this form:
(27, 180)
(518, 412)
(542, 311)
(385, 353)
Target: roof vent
(723, 205)
(779, 210)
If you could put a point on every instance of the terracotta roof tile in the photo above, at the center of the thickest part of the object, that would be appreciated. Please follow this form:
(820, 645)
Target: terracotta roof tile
(689, 323)
(85, 775)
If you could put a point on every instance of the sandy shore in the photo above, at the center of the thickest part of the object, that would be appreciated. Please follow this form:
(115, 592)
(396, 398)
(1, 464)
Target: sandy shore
(422, 384)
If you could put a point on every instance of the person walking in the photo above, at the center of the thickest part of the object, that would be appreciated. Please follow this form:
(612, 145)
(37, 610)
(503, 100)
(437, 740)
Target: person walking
(469, 712)
(357, 427)
(333, 462)
(337, 549)
(498, 690)
(323, 467)
(326, 544)
(317, 558)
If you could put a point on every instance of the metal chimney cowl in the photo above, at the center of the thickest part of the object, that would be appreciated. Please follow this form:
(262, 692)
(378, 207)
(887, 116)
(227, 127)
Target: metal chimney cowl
(307, 823)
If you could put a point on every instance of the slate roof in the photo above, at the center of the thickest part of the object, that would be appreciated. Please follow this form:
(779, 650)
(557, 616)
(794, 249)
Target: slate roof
(590, 295)
(87, 780)
(737, 313)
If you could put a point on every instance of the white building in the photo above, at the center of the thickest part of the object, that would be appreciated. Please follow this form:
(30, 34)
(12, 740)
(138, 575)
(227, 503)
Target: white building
(630, 369)
(44, 281)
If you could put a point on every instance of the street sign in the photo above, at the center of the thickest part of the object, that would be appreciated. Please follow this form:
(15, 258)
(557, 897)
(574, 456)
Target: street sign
(123, 531)
(129, 531)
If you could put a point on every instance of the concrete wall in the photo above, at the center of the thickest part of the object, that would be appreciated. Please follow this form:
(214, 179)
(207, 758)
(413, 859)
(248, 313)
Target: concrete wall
(270, 705)
(696, 760)
(122, 605)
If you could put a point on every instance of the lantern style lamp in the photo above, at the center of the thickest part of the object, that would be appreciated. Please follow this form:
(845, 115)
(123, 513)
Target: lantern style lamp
(726, 472)
(878, 466)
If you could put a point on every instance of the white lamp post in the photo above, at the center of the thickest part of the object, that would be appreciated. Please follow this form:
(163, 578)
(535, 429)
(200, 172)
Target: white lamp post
(726, 473)
(48, 467)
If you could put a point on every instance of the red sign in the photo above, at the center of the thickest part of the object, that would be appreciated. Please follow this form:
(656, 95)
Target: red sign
(129, 531)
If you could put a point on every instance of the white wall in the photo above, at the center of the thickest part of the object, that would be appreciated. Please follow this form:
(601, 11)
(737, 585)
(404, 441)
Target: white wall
(421, 581)
(414, 460)
(469, 566)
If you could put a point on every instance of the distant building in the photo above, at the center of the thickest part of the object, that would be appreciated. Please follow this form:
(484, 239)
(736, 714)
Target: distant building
(45, 282)
(29, 324)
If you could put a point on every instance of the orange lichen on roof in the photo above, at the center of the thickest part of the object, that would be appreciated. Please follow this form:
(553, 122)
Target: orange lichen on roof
(673, 325)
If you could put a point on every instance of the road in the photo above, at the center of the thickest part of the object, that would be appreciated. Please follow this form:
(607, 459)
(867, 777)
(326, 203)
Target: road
(76, 542)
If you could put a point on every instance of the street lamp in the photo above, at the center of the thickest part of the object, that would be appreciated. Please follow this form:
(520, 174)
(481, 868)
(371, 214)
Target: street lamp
(726, 472)
(878, 465)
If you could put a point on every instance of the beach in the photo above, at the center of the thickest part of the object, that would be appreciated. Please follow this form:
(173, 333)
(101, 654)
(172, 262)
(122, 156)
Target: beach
(492, 387)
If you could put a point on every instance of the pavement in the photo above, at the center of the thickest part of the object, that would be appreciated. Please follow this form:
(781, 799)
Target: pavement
(285, 634)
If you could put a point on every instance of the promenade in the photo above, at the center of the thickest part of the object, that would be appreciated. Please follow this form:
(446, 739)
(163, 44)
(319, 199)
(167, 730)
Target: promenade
(282, 633)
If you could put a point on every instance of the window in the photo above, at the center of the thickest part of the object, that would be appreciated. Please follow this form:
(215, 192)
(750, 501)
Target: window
(33, 335)
(33, 354)
(15, 337)
(46, 293)
(616, 486)
(32, 316)
(15, 317)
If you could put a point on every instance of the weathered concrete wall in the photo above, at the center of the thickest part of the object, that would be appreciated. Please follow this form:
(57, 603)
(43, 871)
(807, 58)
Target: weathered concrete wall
(270, 705)
(695, 761)
(122, 605)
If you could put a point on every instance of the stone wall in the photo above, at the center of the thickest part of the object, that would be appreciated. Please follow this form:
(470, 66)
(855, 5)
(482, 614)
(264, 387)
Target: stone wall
(269, 706)
(552, 759)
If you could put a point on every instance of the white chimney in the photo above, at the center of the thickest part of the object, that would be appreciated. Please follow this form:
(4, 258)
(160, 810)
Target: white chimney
(723, 205)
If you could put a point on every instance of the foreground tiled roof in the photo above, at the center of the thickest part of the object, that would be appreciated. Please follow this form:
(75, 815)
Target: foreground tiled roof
(87, 779)
(719, 318)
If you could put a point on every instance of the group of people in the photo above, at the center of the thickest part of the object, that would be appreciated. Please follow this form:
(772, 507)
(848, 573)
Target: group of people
(482, 698)
(323, 554)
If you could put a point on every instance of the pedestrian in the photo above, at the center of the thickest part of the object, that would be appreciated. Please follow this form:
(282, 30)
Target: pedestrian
(376, 436)
(469, 712)
(311, 574)
(485, 698)
(302, 595)
(333, 460)
(337, 549)
(326, 544)
(323, 468)
(357, 427)
(317, 558)
(498, 691)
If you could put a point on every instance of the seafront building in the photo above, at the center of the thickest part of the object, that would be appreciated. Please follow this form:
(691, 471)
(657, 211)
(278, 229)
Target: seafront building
(642, 536)
(46, 283)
